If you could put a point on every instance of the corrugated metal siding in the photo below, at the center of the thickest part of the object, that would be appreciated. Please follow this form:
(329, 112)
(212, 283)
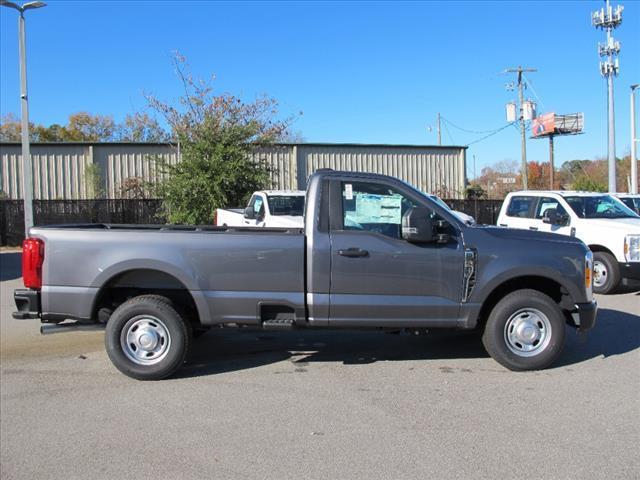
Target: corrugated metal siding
(59, 170)
(284, 168)
(121, 162)
(428, 169)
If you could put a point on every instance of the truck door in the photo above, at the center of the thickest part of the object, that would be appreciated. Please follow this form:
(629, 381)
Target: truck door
(519, 212)
(550, 203)
(259, 207)
(377, 278)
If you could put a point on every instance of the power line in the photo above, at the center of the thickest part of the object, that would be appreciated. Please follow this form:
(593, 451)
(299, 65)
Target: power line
(491, 134)
(479, 132)
(449, 134)
(535, 94)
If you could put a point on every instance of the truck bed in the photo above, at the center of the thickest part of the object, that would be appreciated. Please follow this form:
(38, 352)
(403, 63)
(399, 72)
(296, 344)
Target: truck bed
(227, 270)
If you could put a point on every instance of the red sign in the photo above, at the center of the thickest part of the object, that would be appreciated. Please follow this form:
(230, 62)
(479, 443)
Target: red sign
(543, 125)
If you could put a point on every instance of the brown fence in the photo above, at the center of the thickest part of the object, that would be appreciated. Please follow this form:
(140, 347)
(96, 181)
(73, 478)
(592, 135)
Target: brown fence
(51, 212)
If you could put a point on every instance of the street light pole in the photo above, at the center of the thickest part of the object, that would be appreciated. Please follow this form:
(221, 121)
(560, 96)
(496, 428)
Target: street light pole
(27, 182)
(634, 159)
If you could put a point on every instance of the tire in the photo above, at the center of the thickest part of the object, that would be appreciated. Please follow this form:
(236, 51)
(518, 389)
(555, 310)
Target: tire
(606, 273)
(525, 331)
(147, 339)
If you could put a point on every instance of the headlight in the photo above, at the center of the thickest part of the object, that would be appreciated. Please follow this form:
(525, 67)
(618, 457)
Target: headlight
(588, 273)
(632, 248)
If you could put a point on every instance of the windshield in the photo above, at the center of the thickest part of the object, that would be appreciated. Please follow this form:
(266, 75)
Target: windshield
(286, 204)
(602, 206)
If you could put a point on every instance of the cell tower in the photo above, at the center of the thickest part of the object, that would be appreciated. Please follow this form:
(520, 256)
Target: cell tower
(608, 19)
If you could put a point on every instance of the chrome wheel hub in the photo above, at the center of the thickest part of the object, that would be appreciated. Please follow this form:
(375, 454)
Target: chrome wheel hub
(600, 274)
(527, 332)
(145, 340)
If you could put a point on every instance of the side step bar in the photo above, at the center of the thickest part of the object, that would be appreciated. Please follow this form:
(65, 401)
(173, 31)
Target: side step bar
(48, 329)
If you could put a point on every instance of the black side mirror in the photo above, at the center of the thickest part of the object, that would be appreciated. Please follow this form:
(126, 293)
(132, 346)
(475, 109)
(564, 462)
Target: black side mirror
(249, 213)
(551, 216)
(417, 225)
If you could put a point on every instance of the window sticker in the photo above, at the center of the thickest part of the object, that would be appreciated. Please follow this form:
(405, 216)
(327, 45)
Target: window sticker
(348, 191)
(375, 209)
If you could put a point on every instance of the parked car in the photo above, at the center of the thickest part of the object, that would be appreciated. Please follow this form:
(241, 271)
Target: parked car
(608, 227)
(631, 200)
(374, 253)
(267, 208)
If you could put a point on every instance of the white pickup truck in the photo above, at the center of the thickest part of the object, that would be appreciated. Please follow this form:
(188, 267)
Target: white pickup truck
(606, 225)
(285, 208)
(266, 208)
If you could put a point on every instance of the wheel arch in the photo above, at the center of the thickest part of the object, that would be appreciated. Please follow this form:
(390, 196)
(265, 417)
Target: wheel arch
(549, 286)
(127, 283)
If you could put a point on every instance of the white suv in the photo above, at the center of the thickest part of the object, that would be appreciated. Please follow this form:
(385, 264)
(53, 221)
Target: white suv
(606, 225)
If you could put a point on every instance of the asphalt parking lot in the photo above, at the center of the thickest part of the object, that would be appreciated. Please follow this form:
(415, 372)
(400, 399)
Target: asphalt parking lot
(323, 405)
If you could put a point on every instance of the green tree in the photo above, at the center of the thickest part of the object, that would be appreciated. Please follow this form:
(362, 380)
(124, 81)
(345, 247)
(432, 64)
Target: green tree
(587, 184)
(216, 134)
(475, 192)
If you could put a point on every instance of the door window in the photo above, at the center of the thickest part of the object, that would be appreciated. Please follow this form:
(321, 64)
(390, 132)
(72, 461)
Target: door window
(373, 207)
(546, 203)
(520, 207)
(257, 202)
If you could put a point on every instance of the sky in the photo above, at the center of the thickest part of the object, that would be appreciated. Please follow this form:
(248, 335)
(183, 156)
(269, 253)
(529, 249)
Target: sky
(360, 72)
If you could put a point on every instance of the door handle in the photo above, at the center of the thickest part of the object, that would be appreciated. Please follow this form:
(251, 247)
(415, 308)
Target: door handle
(504, 225)
(353, 252)
(533, 228)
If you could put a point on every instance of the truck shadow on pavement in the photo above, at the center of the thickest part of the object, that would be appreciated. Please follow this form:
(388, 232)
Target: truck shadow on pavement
(11, 265)
(221, 350)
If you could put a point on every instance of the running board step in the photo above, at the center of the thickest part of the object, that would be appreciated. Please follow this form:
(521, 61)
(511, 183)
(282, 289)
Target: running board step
(279, 324)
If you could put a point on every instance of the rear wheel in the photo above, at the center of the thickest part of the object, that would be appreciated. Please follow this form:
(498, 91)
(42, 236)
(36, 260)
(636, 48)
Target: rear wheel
(525, 331)
(147, 339)
(606, 274)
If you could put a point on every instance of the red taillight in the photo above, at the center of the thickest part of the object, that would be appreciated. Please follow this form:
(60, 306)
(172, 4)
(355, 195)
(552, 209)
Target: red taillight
(32, 258)
(215, 217)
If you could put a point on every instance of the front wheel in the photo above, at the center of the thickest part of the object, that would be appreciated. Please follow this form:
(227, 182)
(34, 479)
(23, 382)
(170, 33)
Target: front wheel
(606, 274)
(147, 339)
(525, 331)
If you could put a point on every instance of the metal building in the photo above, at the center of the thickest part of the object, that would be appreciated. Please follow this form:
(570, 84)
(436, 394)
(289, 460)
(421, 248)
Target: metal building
(60, 170)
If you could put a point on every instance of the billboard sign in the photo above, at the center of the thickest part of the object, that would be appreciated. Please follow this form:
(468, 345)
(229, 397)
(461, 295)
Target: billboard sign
(543, 125)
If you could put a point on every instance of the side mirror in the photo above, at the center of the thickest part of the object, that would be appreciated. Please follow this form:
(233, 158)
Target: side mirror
(417, 225)
(249, 213)
(552, 217)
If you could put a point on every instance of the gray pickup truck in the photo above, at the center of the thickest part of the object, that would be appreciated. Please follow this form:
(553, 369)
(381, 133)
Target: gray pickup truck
(374, 253)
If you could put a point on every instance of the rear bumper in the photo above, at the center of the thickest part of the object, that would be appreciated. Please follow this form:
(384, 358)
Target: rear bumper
(585, 317)
(630, 271)
(28, 304)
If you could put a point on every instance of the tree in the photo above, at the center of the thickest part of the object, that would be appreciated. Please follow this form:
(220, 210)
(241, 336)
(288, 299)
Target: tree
(140, 127)
(52, 133)
(10, 129)
(84, 127)
(216, 134)
(475, 192)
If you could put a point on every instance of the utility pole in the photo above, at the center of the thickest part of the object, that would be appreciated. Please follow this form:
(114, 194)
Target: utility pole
(609, 19)
(27, 184)
(439, 131)
(551, 161)
(523, 133)
(634, 139)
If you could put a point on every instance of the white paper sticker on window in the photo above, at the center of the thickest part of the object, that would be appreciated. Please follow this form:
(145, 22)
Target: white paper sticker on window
(348, 191)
